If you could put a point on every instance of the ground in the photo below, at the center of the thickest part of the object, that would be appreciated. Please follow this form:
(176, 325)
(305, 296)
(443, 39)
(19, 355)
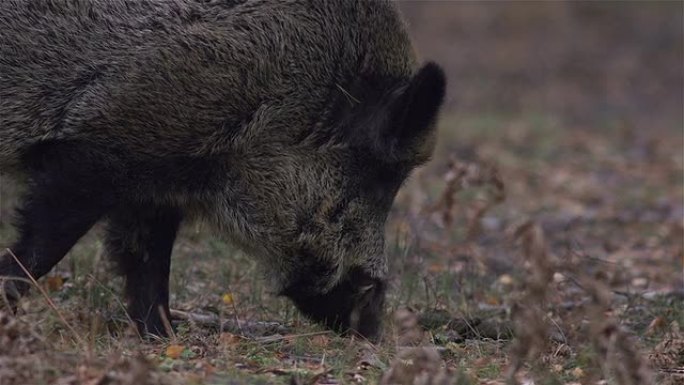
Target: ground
(543, 244)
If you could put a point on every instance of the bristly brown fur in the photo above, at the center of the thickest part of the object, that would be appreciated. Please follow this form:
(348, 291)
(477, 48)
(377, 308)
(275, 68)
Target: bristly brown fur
(288, 124)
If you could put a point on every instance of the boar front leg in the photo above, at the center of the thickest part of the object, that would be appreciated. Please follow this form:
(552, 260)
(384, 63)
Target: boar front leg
(66, 196)
(140, 239)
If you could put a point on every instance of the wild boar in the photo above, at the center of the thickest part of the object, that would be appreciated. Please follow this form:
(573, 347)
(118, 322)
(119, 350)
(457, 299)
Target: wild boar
(288, 125)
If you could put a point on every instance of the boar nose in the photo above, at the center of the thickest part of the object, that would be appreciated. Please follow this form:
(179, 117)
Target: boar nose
(366, 325)
(367, 313)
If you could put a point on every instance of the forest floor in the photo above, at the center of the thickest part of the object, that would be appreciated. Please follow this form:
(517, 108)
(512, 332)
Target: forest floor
(528, 250)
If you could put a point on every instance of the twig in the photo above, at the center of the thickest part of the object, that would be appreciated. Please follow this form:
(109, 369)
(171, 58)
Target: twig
(276, 338)
(213, 321)
(653, 295)
(166, 322)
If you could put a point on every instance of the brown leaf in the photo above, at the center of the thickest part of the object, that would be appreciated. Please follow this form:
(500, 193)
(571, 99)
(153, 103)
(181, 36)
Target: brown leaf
(657, 325)
(320, 341)
(53, 283)
(229, 339)
(174, 351)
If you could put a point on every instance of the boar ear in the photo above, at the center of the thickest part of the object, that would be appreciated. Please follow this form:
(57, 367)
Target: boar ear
(409, 135)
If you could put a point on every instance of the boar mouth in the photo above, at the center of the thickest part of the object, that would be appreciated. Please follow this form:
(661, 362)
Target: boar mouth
(355, 304)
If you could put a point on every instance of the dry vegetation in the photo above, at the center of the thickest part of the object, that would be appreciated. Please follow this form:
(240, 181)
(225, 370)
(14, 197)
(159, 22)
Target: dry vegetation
(543, 245)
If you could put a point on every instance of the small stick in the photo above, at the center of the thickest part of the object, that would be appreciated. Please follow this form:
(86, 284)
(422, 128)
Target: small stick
(167, 323)
(271, 339)
(235, 313)
(213, 321)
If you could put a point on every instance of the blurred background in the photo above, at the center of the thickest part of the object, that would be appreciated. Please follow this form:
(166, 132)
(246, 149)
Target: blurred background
(585, 62)
(559, 171)
(566, 113)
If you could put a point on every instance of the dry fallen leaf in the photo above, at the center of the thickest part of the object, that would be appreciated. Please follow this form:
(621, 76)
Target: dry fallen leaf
(174, 351)
(320, 341)
(228, 299)
(229, 339)
(578, 373)
(669, 353)
(409, 331)
(418, 366)
(506, 280)
(54, 283)
(656, 325)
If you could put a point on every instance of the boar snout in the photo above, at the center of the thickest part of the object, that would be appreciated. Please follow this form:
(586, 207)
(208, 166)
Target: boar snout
(356, 304)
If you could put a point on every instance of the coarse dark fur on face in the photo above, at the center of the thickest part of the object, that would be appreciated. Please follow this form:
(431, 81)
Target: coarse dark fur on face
(290, 126)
